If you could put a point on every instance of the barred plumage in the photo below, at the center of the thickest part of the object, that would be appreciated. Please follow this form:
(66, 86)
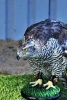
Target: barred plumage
(50, 56)
(46, 44)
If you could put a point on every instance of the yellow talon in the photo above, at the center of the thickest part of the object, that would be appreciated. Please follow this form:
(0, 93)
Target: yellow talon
(38, 82)
(49, 84)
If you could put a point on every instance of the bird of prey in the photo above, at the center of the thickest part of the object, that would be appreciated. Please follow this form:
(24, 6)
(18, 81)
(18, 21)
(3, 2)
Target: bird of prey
(45, 47)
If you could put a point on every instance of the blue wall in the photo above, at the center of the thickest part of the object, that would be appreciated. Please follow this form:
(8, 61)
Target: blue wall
(2, 19)
(17, 15)
(62, 10)
(20, 18)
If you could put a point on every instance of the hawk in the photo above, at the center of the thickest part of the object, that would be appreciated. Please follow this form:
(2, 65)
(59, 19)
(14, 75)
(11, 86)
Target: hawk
(45, 47)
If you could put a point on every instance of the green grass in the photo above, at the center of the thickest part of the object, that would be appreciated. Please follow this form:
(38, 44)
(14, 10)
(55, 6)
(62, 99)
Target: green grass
(40, 92)
(11, 85)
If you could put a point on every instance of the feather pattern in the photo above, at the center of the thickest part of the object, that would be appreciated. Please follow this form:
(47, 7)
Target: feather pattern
(49, 46)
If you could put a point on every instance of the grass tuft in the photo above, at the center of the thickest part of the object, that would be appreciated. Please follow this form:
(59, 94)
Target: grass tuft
(40, 92)
(11, 85)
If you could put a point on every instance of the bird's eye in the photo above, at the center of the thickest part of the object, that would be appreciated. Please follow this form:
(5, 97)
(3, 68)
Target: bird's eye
(26, 50)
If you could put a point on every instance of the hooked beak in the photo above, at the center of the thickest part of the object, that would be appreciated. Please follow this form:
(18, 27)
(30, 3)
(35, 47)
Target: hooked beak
(17, 57)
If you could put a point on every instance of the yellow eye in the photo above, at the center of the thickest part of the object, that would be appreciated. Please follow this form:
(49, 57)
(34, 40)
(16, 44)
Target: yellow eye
(26, 50)
(17, 53)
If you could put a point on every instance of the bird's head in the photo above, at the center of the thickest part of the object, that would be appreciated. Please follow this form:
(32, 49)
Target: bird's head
(32, 48)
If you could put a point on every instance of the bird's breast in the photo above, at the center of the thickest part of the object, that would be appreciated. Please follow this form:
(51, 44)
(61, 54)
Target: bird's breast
(41, 62)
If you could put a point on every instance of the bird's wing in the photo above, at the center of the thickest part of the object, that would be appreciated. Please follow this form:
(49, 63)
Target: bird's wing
(47, 29)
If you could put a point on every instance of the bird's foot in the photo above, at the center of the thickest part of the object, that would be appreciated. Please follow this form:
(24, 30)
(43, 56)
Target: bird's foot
(49, 84)
(38, 82)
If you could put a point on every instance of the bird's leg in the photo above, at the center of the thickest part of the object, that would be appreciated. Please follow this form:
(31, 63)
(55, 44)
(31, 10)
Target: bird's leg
(54, 78)
(38, 81)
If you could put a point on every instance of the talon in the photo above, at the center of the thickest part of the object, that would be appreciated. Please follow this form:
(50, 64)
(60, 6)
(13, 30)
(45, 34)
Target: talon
(54, 87)
(38, 82)
(49, 84)
(44, 85)
(32, 82)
